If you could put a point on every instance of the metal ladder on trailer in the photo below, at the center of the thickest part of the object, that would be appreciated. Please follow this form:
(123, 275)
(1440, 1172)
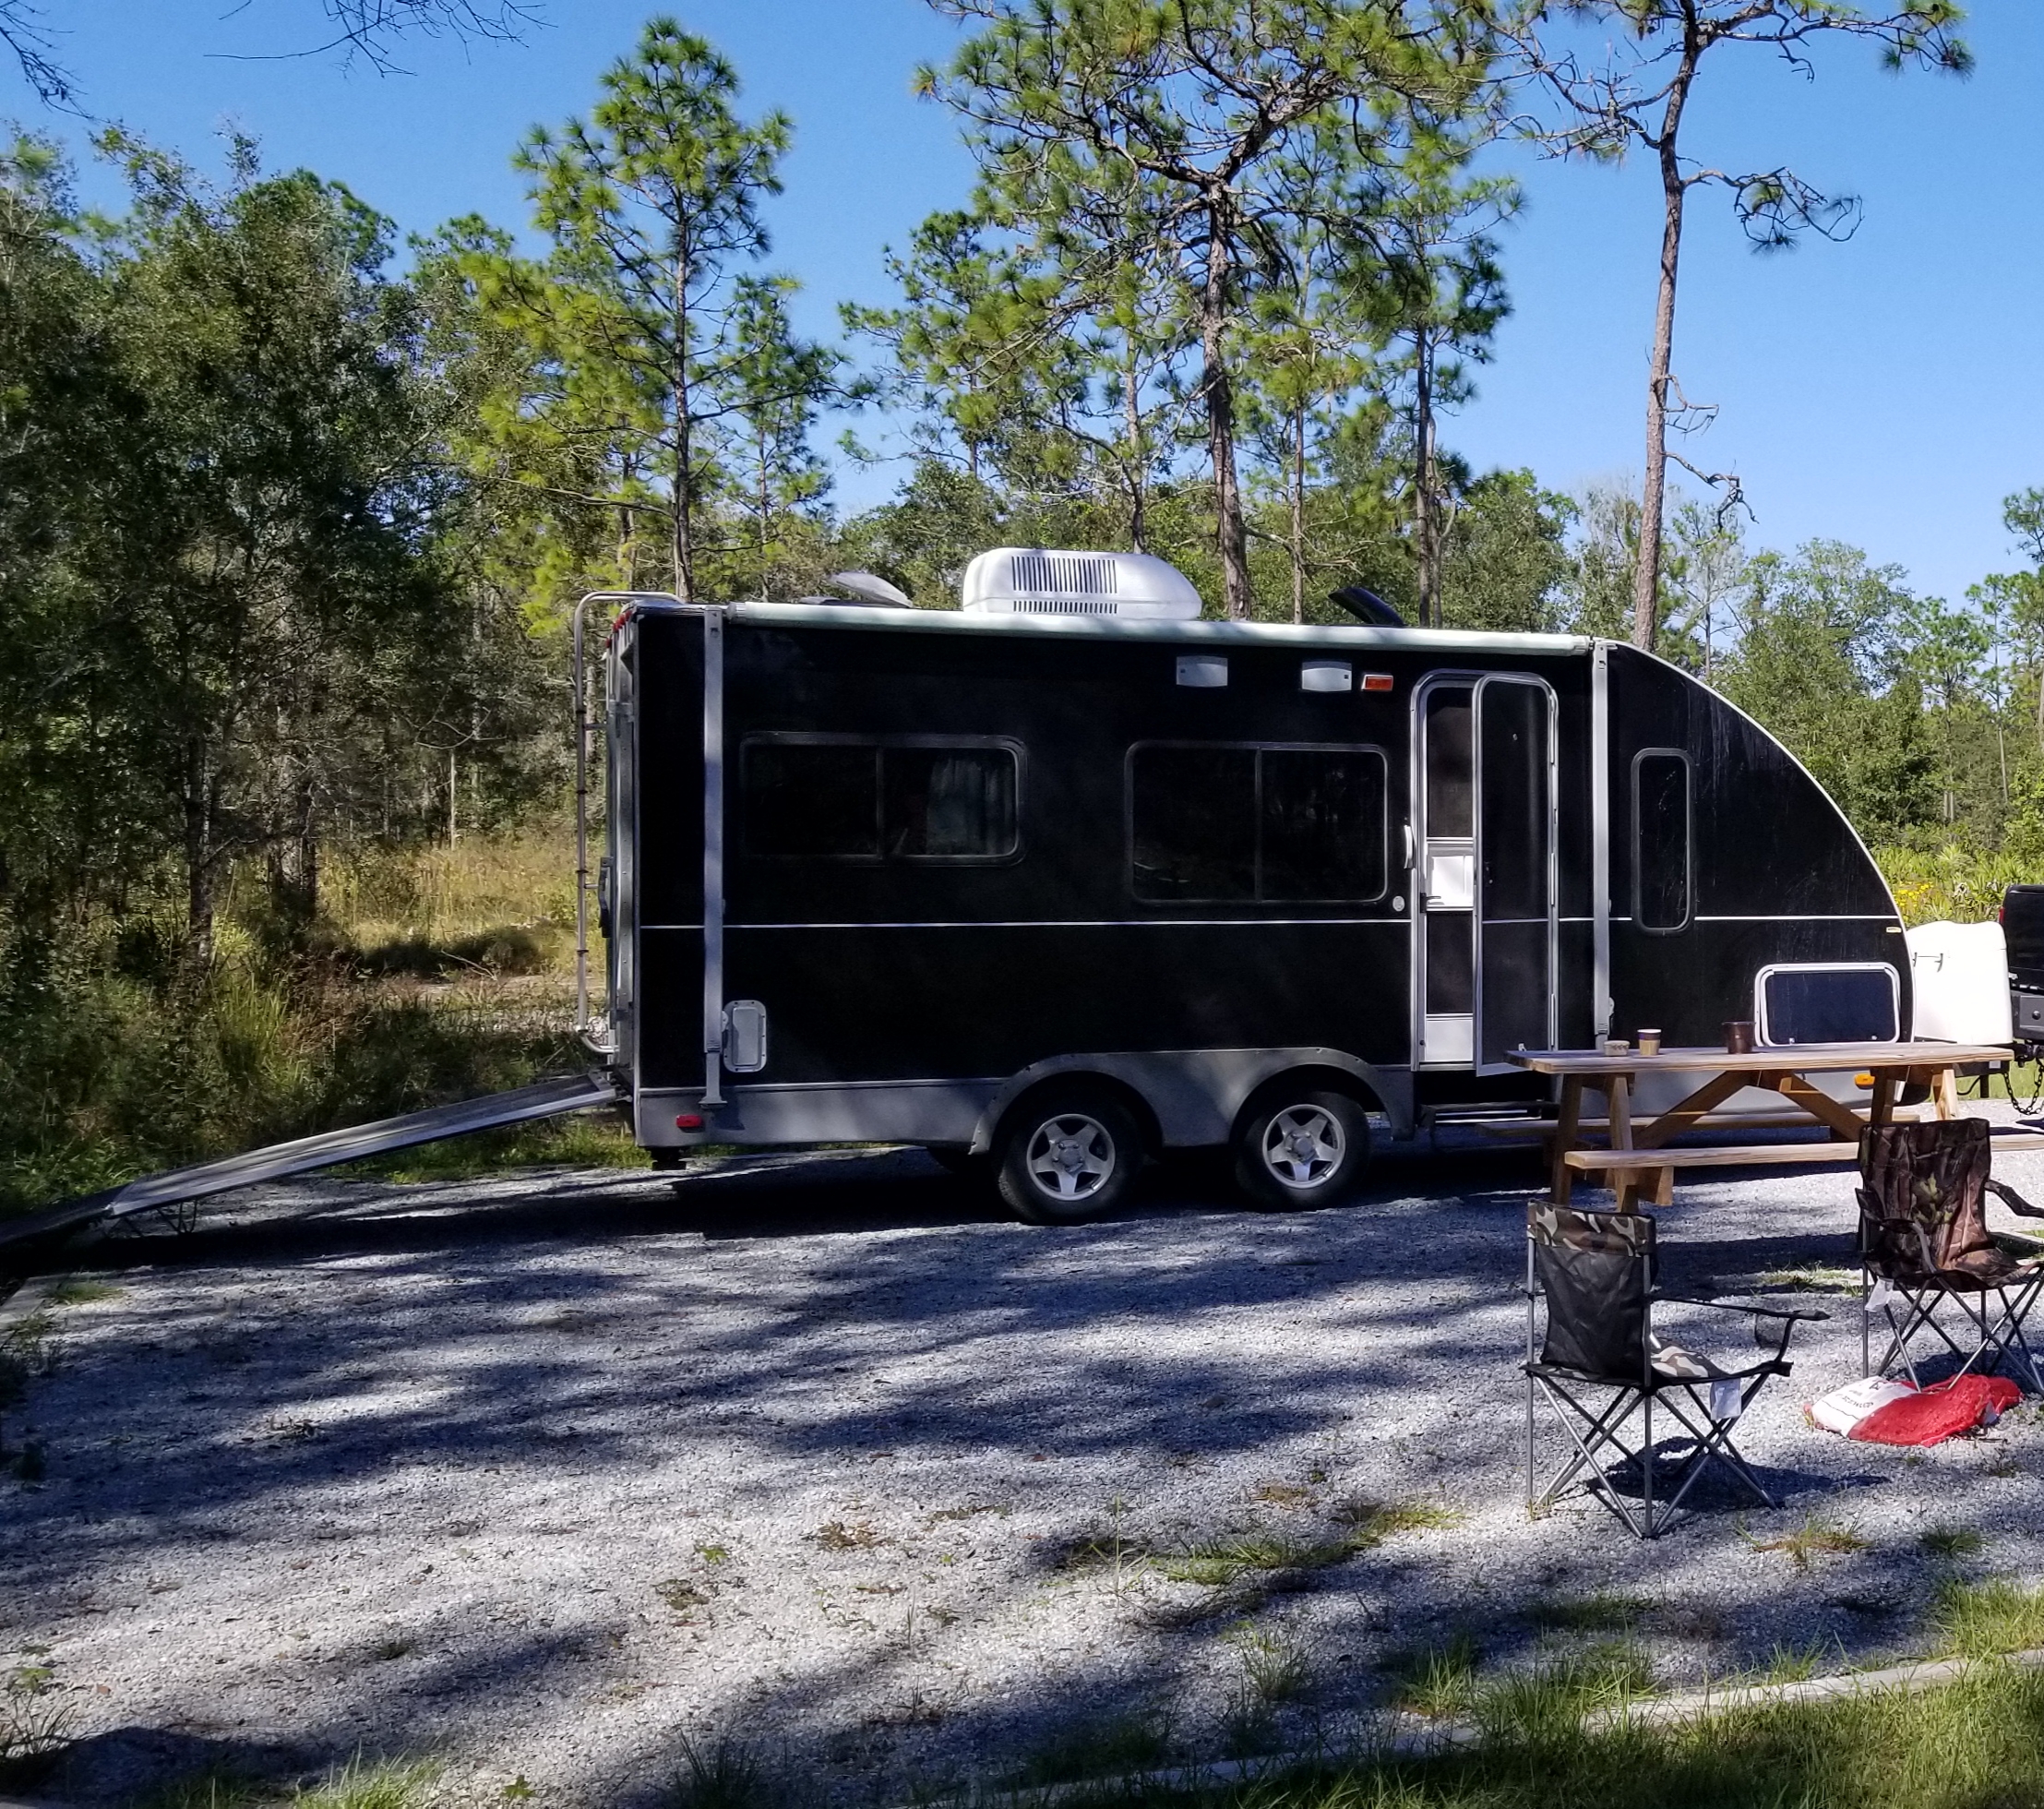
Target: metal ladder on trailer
(174, 1192)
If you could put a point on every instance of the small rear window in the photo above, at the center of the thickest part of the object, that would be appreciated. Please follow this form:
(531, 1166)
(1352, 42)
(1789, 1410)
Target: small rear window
(1829, 1002)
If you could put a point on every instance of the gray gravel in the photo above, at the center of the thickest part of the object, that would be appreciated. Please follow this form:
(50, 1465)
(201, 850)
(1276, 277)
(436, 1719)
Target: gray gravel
(544, 1473)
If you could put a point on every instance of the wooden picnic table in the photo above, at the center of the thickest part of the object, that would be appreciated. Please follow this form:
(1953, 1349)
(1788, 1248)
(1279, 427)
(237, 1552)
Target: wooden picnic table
(1636, 1157)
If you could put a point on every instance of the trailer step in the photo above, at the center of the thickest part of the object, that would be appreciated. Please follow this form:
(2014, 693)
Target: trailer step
(327, 1149)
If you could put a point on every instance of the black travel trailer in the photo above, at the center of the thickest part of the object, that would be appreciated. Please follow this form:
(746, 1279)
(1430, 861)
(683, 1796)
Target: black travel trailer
(1054, 889)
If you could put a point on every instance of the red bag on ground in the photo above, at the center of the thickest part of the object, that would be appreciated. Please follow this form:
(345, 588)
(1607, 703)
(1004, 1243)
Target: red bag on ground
(1941, 1411)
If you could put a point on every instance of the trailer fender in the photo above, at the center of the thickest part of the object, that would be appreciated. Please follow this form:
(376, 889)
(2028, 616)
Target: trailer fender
(1193, 1096)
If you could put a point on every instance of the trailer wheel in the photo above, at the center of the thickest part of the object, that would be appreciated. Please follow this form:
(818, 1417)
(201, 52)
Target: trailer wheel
(1301, 1148)
(1067, 1156)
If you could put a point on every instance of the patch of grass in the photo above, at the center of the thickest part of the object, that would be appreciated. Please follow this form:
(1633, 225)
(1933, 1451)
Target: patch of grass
(1281, 1494)
(1603, 1612)
(1814, 1280)
(1438, 1682)
(1813, 1540)
(1275, 1665)
(596, 1139)
(34, 1722)
(82, 1291)
(835, 1535)
(1372, 1522)
(1951, 1541)
(1224, 1561)
(1104, 1746)
(1979, 1620)
(1545, 1706)
(1971, 1746)
(713, 1554)
(370, 1784)
(726, 1776)
(681, 1594)
(1797, 1664)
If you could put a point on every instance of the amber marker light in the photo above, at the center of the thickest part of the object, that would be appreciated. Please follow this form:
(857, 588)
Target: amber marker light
(1376, 681)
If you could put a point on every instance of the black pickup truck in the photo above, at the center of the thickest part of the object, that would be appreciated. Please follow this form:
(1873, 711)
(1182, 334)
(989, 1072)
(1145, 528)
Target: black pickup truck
(2023, 926)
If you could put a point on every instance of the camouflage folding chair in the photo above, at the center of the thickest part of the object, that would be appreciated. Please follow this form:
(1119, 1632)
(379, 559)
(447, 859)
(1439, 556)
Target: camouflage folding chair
(1928, 1263)
(1596, 1271)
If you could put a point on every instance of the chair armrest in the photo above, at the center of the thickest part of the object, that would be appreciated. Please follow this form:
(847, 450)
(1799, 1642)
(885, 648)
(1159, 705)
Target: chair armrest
(2014, 1201)
(1734, 1306)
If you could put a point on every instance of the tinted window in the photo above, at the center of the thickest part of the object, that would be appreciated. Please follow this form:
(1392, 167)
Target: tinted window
(812, 800)
(870, 800)
(1192, 820)
(948, 803)
(1218, 825)
(1515, 810)
(1660, 840)
(1830, 1005)
(1450, 764)
(1323, 824)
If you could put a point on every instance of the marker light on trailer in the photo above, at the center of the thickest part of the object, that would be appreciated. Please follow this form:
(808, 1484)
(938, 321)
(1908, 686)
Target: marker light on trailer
(688, 1122)
(1376, 681)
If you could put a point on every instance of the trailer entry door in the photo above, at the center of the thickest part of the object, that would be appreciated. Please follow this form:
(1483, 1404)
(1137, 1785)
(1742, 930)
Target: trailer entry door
(1484, 919)
(1515, 869)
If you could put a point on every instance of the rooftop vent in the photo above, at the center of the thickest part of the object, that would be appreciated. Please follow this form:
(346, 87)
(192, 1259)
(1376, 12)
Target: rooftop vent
(1027, 581)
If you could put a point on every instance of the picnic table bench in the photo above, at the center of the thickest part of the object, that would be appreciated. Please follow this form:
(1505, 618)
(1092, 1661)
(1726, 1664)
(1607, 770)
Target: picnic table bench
(1636, 1157)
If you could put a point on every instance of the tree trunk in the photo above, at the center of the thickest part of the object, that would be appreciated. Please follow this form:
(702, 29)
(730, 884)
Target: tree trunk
(1230, 533)
(1647, 570)
(1423, 482)
(684, 542)
(1133, 420)
(763, 508)
(199, 795)
(1297, 488)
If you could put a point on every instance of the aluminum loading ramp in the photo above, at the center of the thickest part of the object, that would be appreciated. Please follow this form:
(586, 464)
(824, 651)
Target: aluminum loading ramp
(180, 1186)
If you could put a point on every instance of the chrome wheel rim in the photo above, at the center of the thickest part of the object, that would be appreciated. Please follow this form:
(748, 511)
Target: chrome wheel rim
(1302, 1146)
(1070, 1156)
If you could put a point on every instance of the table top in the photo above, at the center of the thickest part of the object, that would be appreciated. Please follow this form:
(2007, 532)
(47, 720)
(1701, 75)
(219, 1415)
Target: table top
(1788, 1058)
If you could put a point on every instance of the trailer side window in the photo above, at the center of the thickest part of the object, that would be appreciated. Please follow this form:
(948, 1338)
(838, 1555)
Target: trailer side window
(1240, 824)
(948, 803)
(862, 799)
(1192, 821)
(812, 800)
(1661, 839)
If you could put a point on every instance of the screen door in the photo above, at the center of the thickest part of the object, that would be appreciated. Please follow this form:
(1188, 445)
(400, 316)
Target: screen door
(1516, 869)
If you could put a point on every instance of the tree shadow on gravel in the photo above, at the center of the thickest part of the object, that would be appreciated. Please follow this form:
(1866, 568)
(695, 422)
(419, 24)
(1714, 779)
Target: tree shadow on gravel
(432, 1350)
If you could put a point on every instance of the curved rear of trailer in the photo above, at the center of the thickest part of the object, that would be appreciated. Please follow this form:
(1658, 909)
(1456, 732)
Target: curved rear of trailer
(1738, 887)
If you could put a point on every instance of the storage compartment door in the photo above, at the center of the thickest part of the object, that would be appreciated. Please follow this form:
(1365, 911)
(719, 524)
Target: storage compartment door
(1515, 869)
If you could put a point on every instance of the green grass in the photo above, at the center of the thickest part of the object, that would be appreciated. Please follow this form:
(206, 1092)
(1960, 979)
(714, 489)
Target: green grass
(1603, 1612)
(361, 1783)
(1972, 1747)
(81, 1291)
(1951, 1541)
(1979, 1620)
(1814, 1538)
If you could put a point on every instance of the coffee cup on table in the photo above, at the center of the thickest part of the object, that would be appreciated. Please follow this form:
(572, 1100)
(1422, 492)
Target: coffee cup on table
(1650, 1042)
(1739, 1037)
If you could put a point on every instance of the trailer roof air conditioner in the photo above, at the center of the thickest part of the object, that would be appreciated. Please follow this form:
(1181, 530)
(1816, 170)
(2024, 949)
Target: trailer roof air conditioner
(1017, 581)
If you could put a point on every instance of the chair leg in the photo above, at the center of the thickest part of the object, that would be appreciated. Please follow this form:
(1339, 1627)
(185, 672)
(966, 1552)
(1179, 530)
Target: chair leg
(1600, 1432)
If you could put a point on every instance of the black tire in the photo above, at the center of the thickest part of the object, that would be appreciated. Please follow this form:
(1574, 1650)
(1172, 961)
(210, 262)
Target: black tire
(1069, 1155)
(1301, 1147)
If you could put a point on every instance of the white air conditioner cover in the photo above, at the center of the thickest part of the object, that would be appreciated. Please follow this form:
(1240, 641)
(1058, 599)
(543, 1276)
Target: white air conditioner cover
(1034, 580)
(1959, 976)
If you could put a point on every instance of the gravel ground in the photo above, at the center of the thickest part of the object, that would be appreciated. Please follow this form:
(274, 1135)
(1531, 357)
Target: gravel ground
(548, 1473)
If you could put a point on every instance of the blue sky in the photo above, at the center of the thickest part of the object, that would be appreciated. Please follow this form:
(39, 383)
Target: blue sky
(1885, 392)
